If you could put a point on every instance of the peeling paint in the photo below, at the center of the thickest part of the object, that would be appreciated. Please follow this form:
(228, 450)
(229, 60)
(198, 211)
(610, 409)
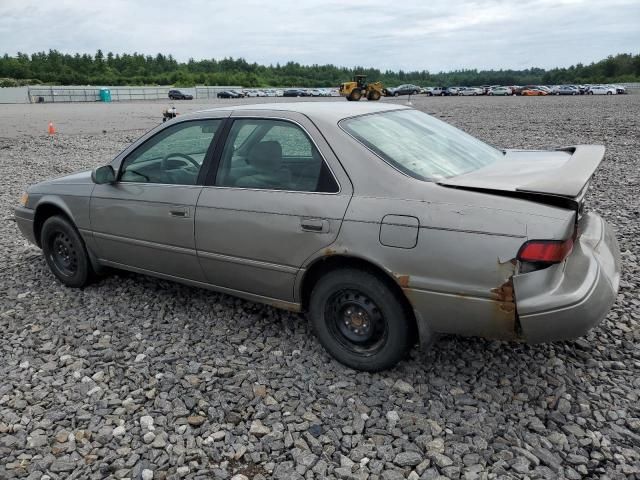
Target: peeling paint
(292, 307)
(504, 293)
(403, 280)
(505, 307)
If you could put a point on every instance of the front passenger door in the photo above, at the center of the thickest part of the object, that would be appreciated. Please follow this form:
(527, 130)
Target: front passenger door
(145, 220)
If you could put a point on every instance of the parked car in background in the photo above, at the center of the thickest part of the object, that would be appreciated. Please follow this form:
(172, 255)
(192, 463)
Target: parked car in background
(178, 95)
(426, 90)
(566, 90)
(296, 92)
(437, 91)
(451, 91)
(544, 88)
(620, 90)
(229, 94)
(407, 89)
(602, 90)
(470, 91)
(533, 92)
(499, 91)
(384, 246)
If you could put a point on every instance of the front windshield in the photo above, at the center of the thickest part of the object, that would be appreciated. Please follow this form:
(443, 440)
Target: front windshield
(420, 145)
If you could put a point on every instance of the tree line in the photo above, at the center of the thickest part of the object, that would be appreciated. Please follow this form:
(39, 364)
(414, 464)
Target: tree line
(54, 67)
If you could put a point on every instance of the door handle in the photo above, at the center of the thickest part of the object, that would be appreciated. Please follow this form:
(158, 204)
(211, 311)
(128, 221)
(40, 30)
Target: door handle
(180, 212)
(316, 225)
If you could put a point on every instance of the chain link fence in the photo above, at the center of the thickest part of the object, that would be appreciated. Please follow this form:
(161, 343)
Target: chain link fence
(59, 94)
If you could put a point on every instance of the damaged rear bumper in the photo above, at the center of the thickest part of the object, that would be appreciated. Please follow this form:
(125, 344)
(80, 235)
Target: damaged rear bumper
(566, 300)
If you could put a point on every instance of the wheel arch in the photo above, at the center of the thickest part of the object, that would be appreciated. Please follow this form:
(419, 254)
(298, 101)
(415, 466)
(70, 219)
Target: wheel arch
(323, 265)
(48, 208)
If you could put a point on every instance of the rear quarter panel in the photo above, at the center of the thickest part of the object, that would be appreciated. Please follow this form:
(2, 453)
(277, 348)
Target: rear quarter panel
(458, 275)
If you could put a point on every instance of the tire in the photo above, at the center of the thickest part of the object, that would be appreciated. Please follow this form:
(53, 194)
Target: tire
(355, 95)
(373, 95)
(65, 253)
(395, 94)
(609, 93)
(342, 302)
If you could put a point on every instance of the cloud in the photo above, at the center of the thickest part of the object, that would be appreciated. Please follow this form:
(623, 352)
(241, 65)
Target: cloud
(436, 35)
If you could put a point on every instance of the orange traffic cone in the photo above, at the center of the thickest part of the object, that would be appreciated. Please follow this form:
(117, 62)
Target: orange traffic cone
(52, 129)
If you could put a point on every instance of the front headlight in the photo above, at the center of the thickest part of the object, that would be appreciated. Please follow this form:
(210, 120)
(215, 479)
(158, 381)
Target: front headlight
(24, 199)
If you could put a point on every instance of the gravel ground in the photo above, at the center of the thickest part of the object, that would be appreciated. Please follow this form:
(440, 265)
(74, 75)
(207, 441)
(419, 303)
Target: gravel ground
(135, 377)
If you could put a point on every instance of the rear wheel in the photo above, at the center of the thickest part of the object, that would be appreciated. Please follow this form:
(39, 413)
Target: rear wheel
(395, 94)
(359, 320)
(609, 93)
(65, 253)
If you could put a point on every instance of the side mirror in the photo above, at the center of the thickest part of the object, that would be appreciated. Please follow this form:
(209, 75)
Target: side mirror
(102, 175)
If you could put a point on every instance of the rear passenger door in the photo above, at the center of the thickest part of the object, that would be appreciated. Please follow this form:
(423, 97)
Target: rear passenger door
(278, 196)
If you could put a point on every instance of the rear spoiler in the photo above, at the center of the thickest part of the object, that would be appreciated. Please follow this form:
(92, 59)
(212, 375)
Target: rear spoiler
(570, 179)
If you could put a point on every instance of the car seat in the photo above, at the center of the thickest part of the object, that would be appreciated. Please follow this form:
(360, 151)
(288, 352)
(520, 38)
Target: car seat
(265, 160)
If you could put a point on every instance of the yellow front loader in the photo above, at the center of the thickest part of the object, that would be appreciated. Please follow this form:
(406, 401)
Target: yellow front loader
(359, 87)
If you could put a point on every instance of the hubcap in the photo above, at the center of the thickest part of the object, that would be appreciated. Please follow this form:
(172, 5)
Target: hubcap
(63, 254)
(356, 321)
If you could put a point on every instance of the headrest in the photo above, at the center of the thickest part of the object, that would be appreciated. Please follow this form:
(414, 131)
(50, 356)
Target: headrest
(265, 156)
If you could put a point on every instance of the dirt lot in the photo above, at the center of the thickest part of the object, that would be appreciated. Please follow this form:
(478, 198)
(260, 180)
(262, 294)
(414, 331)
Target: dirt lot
(134, 376)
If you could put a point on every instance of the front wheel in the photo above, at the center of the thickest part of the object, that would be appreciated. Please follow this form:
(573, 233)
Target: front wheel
(65, 253)
(360, 321)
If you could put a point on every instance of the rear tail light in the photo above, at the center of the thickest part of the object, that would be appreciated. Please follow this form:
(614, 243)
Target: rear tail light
(545, 251)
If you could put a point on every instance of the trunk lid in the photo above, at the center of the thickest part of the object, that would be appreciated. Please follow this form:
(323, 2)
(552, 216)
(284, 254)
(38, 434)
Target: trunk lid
(563, 173)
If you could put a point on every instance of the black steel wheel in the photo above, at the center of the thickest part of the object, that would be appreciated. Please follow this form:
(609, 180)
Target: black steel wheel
(360, 320)
(356, 321)
(65, 253)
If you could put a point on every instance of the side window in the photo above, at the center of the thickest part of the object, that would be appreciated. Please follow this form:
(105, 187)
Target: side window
(173, 156)
(273, 155)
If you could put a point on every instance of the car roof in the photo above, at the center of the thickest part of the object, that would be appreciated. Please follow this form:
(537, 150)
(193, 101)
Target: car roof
(328, 111)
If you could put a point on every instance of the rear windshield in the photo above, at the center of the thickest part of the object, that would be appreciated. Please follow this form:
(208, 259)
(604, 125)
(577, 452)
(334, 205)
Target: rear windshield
(420, 145)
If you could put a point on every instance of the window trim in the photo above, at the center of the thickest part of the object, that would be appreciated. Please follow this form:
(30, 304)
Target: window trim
(205, 162)
(216, 162)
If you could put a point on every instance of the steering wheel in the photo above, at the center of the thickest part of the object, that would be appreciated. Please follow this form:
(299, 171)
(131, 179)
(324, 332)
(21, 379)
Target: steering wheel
(165, 160)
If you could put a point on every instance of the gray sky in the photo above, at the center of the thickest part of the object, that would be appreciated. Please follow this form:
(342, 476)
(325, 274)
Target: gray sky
(396, 34)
